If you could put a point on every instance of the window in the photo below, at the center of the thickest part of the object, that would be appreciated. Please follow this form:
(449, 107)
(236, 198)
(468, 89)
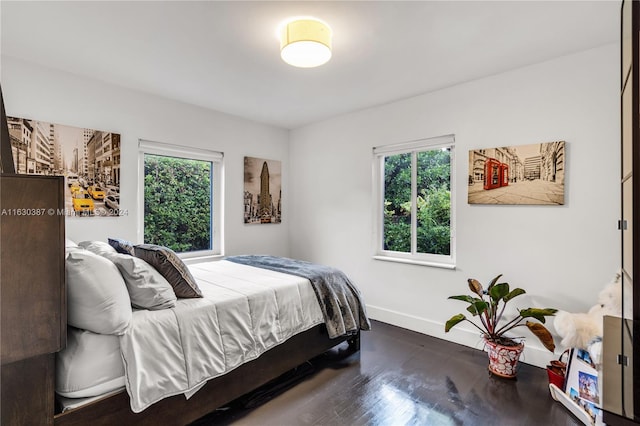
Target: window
(181, 198)
(414, 203)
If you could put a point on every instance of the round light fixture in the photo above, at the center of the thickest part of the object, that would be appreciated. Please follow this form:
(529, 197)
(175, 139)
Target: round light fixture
(305, 42)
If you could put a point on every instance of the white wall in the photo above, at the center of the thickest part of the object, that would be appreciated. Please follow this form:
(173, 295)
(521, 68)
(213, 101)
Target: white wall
(49, 95)
(562, 255)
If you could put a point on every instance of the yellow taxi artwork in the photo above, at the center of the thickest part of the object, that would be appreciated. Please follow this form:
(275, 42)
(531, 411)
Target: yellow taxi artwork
(96, 192)
(82, 202)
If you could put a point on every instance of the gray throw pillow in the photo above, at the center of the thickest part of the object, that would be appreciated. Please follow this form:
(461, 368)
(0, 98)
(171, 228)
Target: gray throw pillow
(97, 247)
(147, 288)
(171, 267)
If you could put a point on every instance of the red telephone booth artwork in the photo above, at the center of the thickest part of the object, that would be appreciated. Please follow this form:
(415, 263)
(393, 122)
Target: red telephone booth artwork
(496, 174)
(504, 175)
(492, 173)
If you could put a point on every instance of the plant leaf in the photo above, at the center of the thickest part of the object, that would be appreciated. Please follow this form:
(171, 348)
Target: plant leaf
(515, 292)
(543, 334)
(477, 307)
(454, 320)
(464, 298)
(475, 286)
(538, 313)
(498, 291)
(493, 282)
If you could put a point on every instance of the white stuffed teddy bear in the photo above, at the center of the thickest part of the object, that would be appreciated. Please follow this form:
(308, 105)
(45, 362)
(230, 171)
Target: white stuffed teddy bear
(584, 330)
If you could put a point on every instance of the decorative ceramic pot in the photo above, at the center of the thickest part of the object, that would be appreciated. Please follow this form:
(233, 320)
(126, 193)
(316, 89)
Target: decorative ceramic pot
(503, 360)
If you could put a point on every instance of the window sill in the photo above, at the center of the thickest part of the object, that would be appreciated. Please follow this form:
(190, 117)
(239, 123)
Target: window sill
(190, 260)
(416, 262)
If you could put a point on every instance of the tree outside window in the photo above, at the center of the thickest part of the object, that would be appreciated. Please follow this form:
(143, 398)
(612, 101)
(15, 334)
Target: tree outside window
(177, 203)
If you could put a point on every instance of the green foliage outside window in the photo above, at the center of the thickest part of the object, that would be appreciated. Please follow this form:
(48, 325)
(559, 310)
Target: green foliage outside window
(433, 202)
(397, 198)
(177, 203)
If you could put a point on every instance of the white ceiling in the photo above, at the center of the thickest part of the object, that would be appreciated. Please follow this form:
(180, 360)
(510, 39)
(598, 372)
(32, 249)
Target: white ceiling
(225, 55)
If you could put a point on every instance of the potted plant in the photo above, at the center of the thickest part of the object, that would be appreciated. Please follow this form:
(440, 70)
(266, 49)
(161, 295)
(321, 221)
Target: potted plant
(488, 306)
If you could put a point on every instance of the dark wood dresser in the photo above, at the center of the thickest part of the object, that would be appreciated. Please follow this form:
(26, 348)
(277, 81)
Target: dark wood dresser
(32, 295)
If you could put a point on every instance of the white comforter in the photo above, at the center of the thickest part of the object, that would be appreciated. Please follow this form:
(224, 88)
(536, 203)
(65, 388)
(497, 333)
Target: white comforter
(244, 312)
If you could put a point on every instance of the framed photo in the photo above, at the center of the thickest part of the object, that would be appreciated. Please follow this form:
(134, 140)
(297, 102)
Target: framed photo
(88, 159)
(262, 191)
(582, 384)
(523, 174)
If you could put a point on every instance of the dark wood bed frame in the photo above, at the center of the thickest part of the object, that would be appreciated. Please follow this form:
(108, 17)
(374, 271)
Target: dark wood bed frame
(177, 410)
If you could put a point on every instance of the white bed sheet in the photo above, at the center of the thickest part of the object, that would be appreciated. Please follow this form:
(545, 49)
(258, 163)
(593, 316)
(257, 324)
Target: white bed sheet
(90, 365)
(244, 312)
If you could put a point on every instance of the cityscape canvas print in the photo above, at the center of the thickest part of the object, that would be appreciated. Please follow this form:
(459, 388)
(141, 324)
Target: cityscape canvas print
(522, 174)
(88, 159)
(262, 190)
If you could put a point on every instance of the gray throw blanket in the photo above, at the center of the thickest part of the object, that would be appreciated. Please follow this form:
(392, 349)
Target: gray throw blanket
(340, 300)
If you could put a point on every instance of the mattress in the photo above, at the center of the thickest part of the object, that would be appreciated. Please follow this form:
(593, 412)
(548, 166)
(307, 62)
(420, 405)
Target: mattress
(90, 365)
(244, 312)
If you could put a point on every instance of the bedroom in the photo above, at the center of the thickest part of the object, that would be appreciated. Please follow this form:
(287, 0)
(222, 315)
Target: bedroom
(559, 92)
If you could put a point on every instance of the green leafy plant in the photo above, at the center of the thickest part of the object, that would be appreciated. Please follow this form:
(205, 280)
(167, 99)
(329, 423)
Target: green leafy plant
(489, 305)
(177, 203)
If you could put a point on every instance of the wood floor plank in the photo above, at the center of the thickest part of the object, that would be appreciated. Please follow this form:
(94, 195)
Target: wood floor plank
(405, 378)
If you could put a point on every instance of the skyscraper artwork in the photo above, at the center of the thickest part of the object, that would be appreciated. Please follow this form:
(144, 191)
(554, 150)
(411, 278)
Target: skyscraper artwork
(262, 191)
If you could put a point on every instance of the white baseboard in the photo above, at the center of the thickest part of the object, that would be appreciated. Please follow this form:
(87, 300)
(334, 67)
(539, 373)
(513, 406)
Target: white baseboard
(537, 356)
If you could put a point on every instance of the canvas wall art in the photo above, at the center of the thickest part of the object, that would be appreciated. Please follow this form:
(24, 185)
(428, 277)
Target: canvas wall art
(88, 159)
(262, 190)
(523, 174)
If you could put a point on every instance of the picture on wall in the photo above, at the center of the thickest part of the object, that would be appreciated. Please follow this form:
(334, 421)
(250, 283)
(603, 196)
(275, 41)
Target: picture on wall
(88, 159)
(522, 174)
(262, 190)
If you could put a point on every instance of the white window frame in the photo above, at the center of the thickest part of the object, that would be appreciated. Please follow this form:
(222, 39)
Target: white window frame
(217, 211)
(379, 154)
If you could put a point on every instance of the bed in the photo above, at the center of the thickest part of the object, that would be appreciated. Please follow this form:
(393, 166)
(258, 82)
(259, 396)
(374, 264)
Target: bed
(180, 354)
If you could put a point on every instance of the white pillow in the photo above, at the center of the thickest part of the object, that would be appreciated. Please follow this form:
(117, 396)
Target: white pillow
(97, 297)
(70, 246)
(100, 248)
(147, 288)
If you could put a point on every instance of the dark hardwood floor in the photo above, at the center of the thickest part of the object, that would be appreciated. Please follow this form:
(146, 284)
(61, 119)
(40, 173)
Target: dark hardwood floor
(404, 378)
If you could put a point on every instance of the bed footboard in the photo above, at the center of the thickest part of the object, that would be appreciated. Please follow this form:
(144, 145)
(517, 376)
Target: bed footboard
(177, 410)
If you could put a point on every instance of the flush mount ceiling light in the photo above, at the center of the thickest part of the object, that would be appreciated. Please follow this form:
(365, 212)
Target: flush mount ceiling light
(305, 42)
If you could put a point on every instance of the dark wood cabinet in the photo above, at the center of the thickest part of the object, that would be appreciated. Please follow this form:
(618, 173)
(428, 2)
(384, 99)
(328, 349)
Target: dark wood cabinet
(621, 344)
(28, 391)
(32, 295)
